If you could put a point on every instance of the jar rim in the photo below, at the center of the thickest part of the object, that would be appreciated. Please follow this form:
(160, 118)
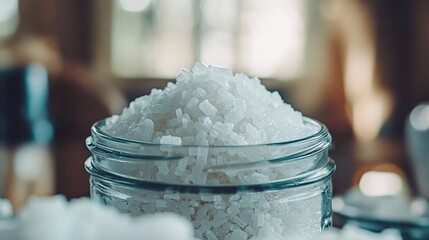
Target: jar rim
(110, 149)
(100, 136)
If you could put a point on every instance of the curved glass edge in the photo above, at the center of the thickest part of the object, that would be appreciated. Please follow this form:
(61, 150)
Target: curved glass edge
(317, 176)
(102, 144)
(355, 214)
(100, 136)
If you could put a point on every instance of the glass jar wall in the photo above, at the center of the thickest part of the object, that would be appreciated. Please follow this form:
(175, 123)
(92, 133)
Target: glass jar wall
(281, 190)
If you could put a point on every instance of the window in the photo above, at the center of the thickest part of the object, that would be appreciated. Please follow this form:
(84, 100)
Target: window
(156, 38)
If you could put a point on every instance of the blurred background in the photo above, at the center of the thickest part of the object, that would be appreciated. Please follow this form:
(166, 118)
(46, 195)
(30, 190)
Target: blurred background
(358, 66)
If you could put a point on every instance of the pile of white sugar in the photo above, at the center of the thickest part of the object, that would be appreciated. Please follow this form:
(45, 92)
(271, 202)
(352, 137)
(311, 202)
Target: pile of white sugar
(210, 106)
(54, 218)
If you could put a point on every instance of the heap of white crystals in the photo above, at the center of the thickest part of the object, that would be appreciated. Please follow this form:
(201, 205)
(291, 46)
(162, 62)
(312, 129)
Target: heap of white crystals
(211, 106)
(277, 215)
(53, 218)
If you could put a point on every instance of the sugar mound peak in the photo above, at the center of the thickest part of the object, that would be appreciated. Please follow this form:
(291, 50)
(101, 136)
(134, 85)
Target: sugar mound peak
(210, 106)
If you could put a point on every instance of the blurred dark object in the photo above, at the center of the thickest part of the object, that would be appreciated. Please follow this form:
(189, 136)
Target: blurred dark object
(25, 133)
(402, 56)
(417, 136)
(69, 22)
(77, 99)
(23, 106)
(76, 102)
(12, 107)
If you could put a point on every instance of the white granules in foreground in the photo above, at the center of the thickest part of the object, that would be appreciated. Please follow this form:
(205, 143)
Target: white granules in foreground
(210, 106)
(53, 218)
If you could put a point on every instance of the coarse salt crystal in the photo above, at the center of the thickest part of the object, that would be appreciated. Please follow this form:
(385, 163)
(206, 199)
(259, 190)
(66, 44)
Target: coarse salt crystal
(171, 140)
(207, 108)
(211, 236)
(179, 113)
(237, 234)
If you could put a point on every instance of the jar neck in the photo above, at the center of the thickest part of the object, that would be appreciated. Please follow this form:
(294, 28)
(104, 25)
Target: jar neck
(266, 166)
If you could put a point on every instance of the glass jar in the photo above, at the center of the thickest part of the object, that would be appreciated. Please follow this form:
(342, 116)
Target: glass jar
(279, 190)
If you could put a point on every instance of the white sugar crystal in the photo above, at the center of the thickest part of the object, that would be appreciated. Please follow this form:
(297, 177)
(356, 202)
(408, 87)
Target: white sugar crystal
(234, 116)
(211, 236)
(185, 122)
(252, 131)
(219, 219)
(207, 108)
(147, 129)
(237, 234)
(182, 164)
(179, 113)
(239, 221)
(161, 203)
(199, 93)
(220, 205)
(207, 123)
(250, 230)
(173, 122)
(199, 69)
(202, 139)
(234, 198)
(207, 198)
(240, 105)
(184, 75)
(260, 219)
(162, 167)
(171, 140)
(217, 198)
(172, 196)
(188, 140)
(233, 211)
